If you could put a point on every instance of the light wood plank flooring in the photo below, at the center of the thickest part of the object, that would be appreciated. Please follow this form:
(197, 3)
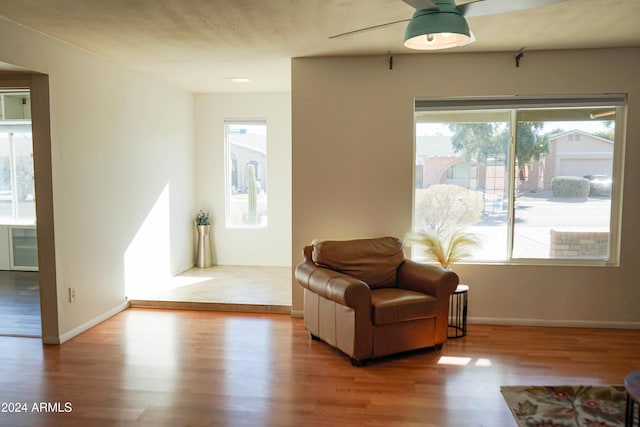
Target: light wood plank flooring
(149, 367)
(228, 288)
(20, 304)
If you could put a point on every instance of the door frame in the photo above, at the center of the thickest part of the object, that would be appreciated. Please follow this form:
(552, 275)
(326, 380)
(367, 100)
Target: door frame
(38, 84)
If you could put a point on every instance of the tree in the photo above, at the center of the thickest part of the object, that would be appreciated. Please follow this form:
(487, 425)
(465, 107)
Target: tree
(610, 132)
(478, 141)
(530, 144)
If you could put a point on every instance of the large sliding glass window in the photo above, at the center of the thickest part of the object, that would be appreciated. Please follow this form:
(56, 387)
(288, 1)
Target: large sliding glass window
(246, 171)
(532, 179)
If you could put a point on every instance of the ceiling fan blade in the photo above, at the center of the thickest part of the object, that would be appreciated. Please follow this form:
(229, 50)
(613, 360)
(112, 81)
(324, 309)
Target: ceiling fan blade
(374, 27)
(421, 4)
(416, 4)
(491, 7)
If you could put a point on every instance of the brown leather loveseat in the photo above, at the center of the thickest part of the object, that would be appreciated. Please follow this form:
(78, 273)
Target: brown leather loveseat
(364, 298)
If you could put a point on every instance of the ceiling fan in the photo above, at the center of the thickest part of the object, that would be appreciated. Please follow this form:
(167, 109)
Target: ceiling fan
(441, 24)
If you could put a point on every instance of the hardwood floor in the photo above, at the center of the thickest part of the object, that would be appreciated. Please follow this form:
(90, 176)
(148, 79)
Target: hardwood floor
(147, 367)
(220, 288)
(20, 303)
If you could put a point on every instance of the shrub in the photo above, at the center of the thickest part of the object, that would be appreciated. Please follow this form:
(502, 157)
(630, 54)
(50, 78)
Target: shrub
(570, 187)
(442, 208)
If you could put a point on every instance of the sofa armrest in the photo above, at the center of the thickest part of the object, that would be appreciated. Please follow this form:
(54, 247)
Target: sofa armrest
(333, 285)
(428, 279)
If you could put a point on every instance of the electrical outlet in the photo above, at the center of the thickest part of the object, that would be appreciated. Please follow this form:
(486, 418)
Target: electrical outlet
(73, 293)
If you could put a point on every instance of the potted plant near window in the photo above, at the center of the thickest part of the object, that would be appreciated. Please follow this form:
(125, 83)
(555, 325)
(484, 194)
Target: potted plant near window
(446, 250)
(203, 246)
(443, 213)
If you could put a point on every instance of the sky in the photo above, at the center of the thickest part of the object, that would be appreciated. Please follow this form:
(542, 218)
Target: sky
(424, 129)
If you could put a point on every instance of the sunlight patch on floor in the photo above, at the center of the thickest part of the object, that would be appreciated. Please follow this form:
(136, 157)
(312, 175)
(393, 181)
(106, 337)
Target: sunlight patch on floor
(226, 284)
(463, 361)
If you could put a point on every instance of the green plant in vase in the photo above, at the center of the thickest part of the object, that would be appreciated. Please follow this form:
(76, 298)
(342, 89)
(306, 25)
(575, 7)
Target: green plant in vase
(202, 218)
(203, 246)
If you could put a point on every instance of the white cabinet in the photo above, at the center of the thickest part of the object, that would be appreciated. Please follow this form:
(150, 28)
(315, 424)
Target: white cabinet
(5, 254)
(18, 247)
(23, 245)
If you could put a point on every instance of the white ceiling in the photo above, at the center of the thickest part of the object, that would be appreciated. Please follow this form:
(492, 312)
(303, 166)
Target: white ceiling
(198, 44)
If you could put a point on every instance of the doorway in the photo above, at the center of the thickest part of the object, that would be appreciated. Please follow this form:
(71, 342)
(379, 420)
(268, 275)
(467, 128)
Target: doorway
(20, 304)
(19, 285)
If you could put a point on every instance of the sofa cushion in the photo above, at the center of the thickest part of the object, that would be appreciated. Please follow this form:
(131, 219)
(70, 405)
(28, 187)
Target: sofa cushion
(392, 305)
(374, 261)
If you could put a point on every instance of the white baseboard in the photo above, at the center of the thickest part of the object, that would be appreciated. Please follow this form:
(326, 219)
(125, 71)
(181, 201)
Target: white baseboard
(88, 325)
(555, 323)
(55, 340)
(533, 322)
(298, 314)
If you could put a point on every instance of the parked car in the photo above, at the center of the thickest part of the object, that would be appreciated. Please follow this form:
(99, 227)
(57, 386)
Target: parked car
(600, 185)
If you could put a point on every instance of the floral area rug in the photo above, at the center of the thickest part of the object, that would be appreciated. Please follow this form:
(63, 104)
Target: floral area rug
(567, 406)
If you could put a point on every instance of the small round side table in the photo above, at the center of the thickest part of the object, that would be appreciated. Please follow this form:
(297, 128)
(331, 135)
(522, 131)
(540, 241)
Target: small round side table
(632, 385)
(458, 312)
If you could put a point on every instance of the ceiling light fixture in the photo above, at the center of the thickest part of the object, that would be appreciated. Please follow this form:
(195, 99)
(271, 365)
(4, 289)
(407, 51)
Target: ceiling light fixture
(238, 80)
(437, 29)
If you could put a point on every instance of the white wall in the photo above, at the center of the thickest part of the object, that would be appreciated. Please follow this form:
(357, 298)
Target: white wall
(234, 246)
(122, 164)
(352, 130)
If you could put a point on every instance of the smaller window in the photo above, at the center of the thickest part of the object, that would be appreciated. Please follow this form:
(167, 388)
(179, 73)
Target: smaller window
(246, 172)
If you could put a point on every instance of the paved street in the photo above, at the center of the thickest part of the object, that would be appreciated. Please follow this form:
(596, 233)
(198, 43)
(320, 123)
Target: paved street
(534, 218)
(546, 212)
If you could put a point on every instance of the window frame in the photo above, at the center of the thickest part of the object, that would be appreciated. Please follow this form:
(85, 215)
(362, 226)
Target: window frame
(229, 224)
(11, 126)
(618, 101)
